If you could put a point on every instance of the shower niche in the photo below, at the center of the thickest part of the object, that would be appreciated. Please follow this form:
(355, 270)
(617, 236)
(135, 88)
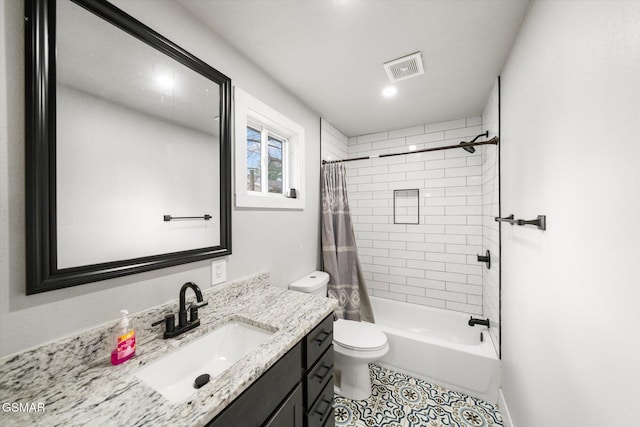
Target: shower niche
(406, 206)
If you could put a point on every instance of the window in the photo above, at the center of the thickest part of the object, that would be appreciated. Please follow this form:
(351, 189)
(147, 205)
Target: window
(274, 164)
(269, 155)
(265, 152)
(254, 159)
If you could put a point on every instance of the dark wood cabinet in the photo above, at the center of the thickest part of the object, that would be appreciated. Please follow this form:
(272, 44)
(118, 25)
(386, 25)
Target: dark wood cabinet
(321, 413)
(295, 392)
(290, 413)
(318, 341)
(318, 375)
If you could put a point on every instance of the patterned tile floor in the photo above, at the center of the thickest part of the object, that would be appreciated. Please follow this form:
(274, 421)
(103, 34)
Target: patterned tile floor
(398, 400)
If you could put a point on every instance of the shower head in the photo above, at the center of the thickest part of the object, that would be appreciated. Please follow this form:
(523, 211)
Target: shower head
(468, 149)
(471, 149)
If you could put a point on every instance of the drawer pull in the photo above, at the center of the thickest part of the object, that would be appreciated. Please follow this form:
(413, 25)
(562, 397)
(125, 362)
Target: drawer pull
(322, 376)
(321, 340)
(325, 412)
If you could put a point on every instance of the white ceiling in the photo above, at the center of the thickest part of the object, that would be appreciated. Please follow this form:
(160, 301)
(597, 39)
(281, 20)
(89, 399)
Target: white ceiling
(330, 53)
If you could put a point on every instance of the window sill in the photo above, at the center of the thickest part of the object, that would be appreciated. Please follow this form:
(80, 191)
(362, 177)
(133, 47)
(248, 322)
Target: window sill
(268, 202)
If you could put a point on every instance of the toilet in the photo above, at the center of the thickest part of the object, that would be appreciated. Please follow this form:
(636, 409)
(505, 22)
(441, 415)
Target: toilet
(355, 344)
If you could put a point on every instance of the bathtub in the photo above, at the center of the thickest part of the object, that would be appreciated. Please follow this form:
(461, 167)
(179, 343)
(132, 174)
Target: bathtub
(438, 346)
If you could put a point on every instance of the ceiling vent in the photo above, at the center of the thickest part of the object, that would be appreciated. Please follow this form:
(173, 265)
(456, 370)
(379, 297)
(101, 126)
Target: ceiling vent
(405, 67)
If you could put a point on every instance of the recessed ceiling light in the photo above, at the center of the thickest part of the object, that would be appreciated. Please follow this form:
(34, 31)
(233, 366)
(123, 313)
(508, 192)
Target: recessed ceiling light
(389, 91)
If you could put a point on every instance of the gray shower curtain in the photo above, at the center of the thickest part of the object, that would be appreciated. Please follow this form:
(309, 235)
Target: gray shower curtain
(339, 253)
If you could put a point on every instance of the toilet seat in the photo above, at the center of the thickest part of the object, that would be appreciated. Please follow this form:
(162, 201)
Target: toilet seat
(359, 336)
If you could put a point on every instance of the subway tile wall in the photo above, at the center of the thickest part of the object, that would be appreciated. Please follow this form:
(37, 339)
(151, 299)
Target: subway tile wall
(433, 262)
(333, 144)
(491, 240)
(490, 210)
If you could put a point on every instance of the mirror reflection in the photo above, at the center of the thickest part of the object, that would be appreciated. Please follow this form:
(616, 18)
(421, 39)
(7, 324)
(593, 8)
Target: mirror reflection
(137, 139)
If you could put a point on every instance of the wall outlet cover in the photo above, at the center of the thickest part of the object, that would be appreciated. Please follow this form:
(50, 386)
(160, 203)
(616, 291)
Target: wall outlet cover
(218, 271)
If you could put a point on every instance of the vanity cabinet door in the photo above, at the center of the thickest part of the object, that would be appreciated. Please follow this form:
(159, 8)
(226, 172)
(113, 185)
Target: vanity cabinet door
(290, 413)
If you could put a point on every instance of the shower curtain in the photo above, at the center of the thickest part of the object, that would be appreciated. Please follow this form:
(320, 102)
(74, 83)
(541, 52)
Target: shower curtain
(339, 253)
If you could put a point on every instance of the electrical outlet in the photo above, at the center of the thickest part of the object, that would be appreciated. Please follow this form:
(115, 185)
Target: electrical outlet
(218, 271)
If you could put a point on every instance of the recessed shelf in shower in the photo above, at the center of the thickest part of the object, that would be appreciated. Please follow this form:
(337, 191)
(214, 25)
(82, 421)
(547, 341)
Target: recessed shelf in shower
(406, 206)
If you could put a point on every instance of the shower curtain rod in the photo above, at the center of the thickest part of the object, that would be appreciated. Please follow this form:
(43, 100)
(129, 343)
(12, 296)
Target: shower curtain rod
(492, 141)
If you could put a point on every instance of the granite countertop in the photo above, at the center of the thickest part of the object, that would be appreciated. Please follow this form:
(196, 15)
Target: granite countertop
(72, 383)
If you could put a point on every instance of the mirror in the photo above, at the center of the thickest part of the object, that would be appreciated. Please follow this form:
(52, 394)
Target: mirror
(128, 148)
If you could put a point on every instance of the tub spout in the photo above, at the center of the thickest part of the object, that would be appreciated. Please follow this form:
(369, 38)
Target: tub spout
(473, 321)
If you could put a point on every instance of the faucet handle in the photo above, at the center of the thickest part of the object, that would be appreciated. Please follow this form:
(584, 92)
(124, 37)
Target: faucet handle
(169, 321)
(193, 310)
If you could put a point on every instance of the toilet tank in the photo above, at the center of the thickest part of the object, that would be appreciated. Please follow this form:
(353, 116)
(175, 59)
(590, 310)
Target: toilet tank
(313, 283)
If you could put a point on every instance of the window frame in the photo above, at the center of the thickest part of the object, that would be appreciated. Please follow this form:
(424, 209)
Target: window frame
(250, 112)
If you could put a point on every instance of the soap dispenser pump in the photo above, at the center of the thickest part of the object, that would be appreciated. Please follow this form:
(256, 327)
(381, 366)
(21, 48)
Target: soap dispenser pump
(124, 341)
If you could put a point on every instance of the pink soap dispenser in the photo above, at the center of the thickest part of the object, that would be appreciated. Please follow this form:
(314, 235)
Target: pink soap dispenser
(124, 341)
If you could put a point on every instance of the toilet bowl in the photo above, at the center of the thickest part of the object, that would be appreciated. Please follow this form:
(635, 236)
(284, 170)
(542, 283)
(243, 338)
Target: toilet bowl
(355, 344)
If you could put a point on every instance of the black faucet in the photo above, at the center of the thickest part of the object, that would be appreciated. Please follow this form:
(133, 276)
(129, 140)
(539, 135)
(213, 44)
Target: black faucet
(184, 324)
(473, 321)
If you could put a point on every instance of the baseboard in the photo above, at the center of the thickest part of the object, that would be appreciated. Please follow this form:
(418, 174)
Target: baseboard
(504, 410)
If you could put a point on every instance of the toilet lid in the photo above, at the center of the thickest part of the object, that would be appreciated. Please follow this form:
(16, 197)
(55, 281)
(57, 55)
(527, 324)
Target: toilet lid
(358, 335)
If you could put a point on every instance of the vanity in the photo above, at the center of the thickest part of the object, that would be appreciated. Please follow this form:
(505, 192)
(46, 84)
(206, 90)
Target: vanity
(285, 381)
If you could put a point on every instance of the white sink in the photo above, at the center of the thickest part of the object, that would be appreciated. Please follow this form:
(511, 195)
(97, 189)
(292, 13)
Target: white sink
(174, 375)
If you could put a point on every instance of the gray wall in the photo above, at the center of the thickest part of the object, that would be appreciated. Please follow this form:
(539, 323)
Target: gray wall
(570, 150)
(287, 249)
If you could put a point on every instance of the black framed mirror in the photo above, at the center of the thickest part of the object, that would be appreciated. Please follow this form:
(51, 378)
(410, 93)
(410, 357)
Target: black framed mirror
(128, 150)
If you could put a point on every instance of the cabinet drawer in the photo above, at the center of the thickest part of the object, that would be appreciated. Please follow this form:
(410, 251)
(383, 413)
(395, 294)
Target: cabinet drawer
(318, 340)
(322, 411)
(319, 376)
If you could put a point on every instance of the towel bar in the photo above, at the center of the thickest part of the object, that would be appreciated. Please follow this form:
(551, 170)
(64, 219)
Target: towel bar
(169, 217)
(540, 221)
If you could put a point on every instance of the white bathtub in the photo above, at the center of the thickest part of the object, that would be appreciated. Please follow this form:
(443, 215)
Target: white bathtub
(438, 346)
